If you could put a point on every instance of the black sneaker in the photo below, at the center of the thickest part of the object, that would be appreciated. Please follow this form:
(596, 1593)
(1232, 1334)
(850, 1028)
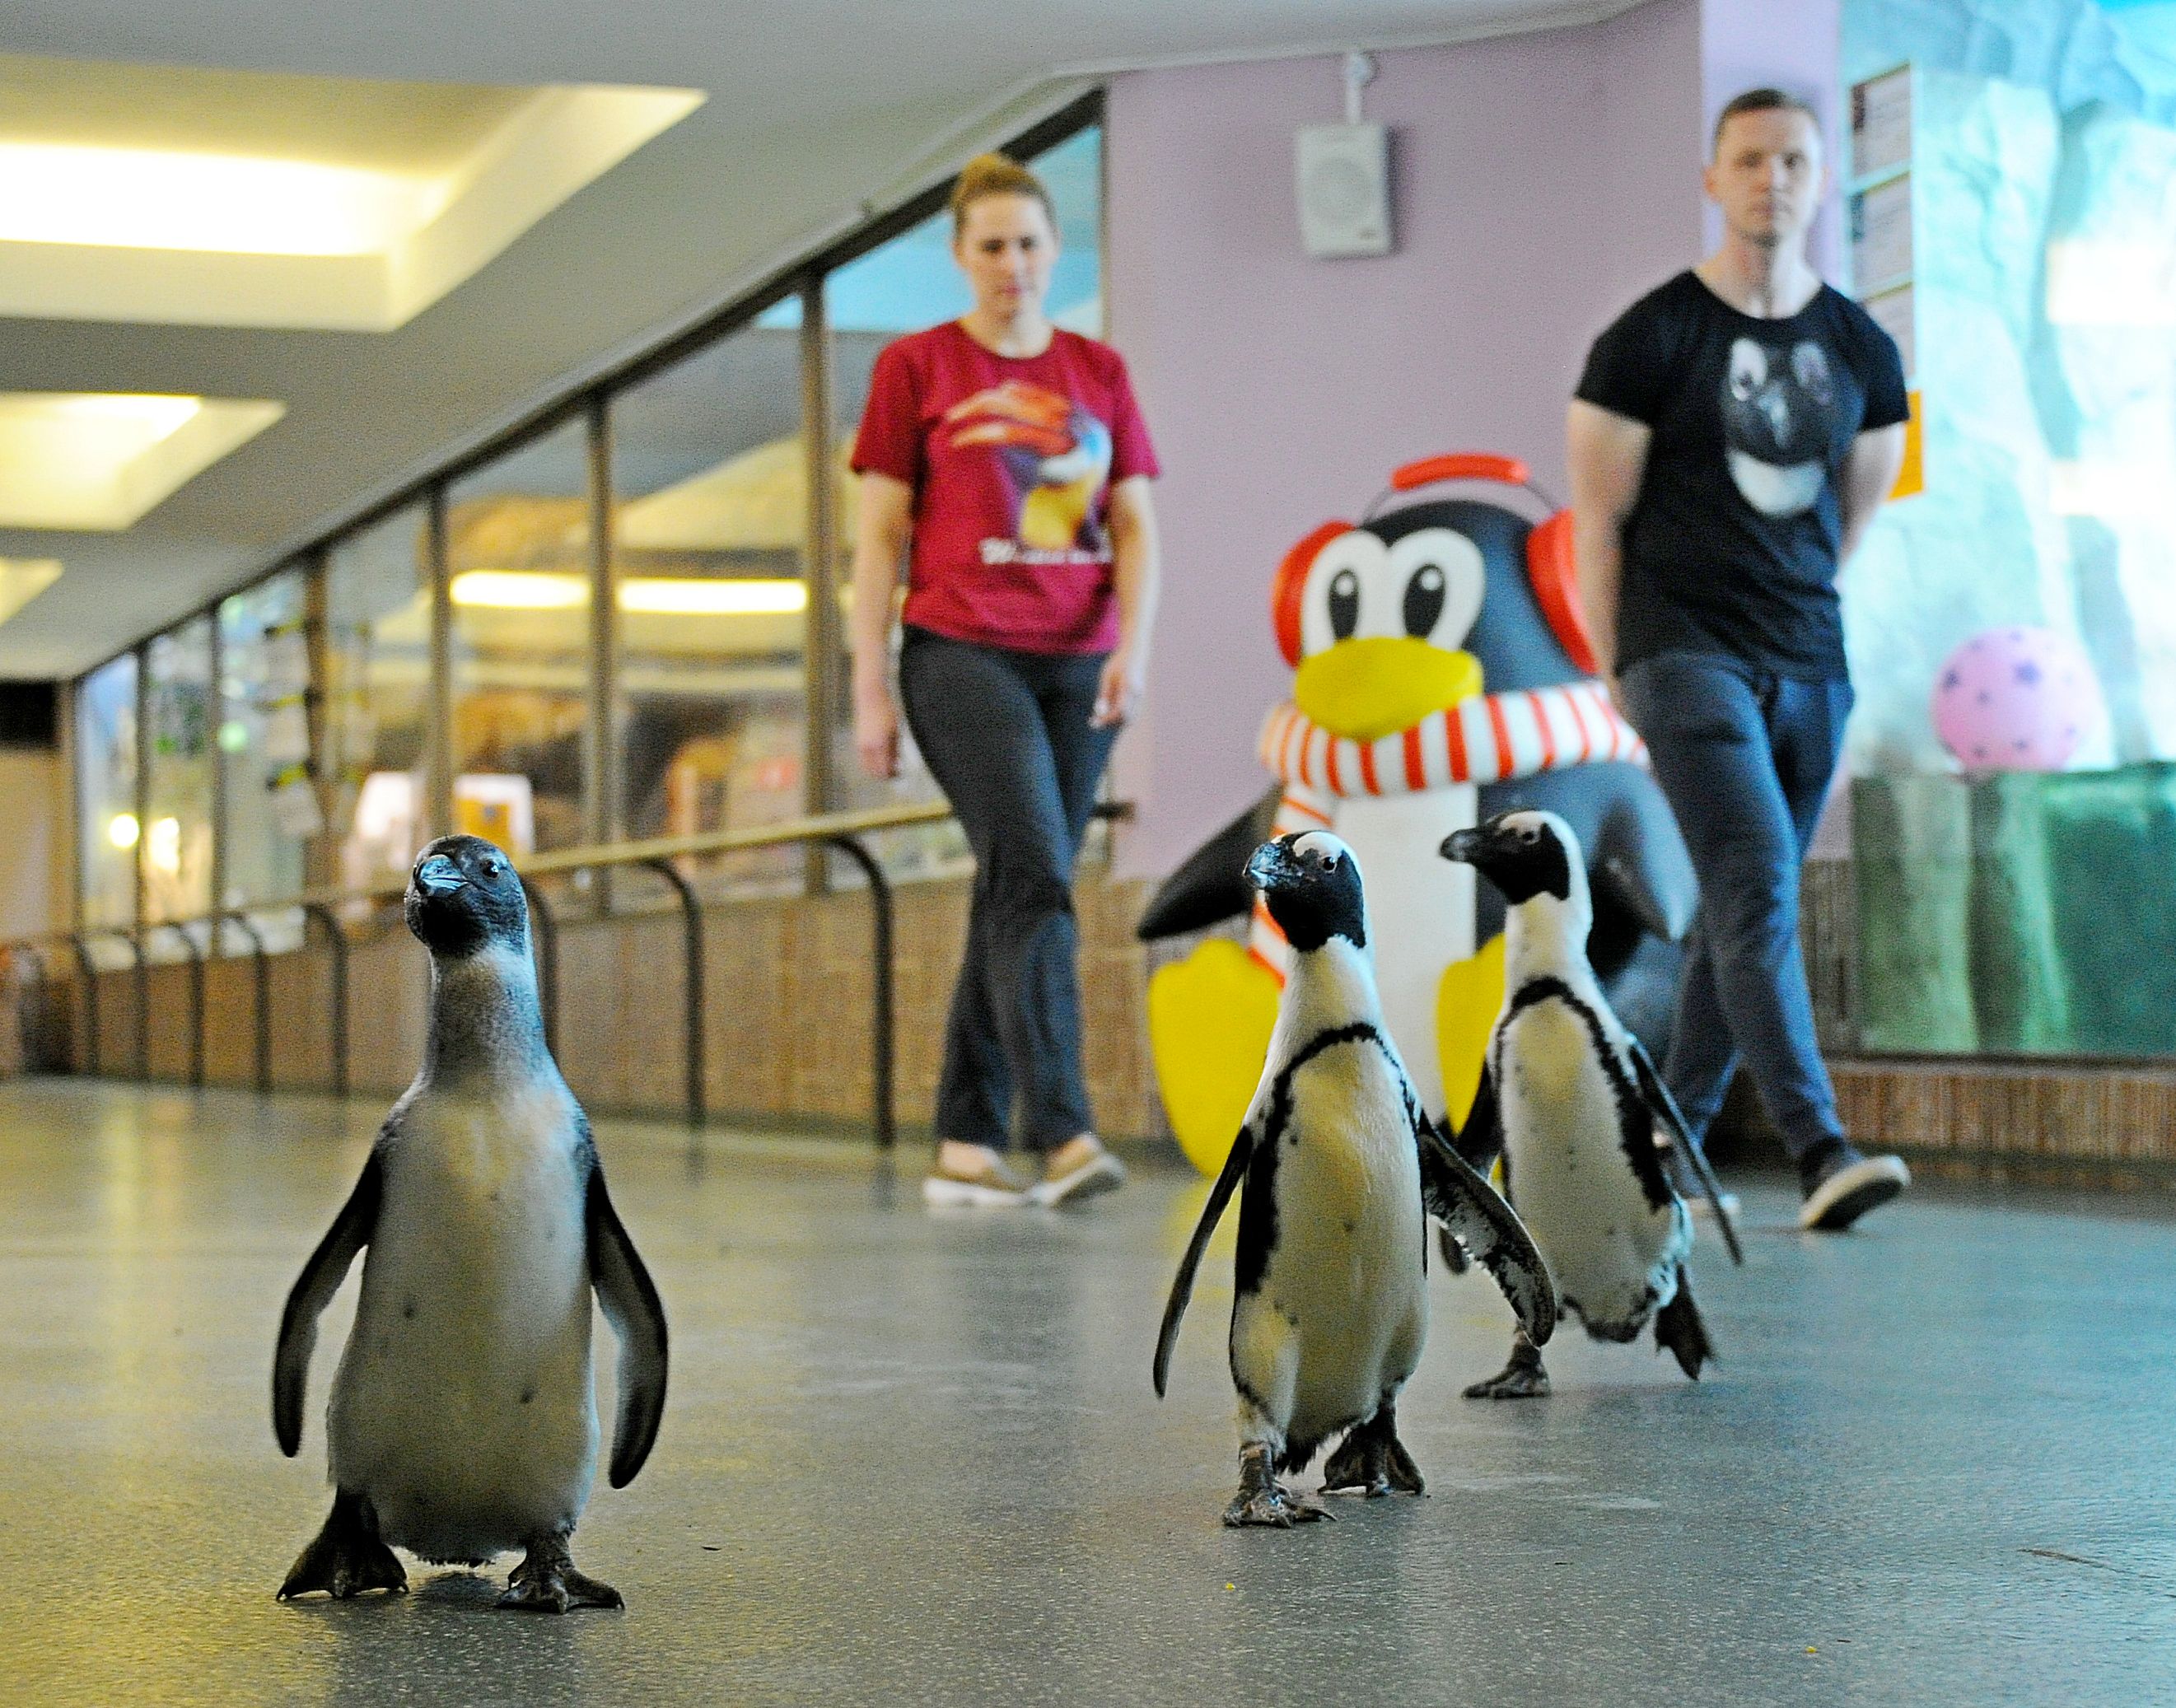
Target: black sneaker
(1842, 1184)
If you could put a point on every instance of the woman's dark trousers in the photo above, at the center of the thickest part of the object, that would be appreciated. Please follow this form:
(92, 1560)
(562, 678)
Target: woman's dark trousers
(1006, 734)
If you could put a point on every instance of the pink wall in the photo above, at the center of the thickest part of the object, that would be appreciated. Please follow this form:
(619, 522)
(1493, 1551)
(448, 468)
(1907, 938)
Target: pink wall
(1543, 182)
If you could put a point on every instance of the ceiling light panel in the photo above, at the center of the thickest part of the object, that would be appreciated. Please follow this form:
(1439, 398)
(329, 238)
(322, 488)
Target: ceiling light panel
(319, 202)
(98, 461)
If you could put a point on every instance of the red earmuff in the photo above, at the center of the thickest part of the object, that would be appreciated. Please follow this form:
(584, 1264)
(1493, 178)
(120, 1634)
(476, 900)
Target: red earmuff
(1290, 588)
(1550, 568)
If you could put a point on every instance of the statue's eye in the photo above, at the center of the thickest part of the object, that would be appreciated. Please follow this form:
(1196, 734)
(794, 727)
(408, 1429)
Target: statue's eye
(1424, 595)
(1344, 604)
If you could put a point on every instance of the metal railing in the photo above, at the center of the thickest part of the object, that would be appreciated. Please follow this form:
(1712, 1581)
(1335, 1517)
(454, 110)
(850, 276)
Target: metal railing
(841, 830)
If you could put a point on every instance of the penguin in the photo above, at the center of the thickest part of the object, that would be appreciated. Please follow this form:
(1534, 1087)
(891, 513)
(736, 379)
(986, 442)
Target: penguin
(1340, 1163)
(1778, 409)
(1571, 1100)
(463, 1423)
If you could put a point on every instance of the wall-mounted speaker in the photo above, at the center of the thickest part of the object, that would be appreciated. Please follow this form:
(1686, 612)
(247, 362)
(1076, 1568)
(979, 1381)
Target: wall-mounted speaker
(1342, 175)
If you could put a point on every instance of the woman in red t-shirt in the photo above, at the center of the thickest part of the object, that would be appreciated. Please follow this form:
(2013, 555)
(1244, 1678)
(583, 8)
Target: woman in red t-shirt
(1006, 462)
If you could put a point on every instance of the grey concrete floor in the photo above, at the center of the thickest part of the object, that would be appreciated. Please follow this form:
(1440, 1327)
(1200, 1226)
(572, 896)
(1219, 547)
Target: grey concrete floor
(917, 1458)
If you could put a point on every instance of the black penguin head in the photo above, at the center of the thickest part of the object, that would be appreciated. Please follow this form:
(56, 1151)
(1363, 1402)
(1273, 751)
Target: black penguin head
(1523, 854)
(463, 896)
(1311, 884)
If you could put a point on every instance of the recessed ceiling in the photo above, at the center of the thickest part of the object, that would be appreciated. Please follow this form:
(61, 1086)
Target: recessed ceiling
(234, 199)
(816, 110)
(102, 461)
(22, 579)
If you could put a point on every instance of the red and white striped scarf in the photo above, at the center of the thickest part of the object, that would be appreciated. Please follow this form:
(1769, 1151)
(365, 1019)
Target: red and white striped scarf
(1489, 738)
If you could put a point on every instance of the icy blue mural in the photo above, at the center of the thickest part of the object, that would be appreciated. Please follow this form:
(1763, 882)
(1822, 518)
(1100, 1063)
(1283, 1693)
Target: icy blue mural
(2044, 164)
(2026, 913)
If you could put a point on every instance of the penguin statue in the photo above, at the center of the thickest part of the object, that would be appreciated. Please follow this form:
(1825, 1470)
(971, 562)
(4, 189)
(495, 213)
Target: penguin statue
(463, 1421)
(1340, 1162)
(1444, 673)
(1571, 1101)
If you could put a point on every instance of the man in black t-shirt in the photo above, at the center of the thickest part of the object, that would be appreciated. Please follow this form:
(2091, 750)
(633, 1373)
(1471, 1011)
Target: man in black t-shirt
(1733, 434)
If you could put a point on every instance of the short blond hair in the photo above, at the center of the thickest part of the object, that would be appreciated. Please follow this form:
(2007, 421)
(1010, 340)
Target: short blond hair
(996, 174)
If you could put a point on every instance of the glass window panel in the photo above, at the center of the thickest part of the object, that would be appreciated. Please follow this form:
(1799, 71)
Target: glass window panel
(378, 651)
(518, 560)
(106, 791)
(176, 845)
(905, 285)
(709, 531)
(270, 796)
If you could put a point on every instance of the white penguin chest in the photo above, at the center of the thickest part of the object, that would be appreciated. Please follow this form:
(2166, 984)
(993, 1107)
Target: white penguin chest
(1343, 1292)
(463, 1401)
(1571, 1179)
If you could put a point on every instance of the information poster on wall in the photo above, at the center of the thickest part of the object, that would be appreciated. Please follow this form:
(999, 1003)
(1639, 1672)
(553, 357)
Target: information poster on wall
(1883, 237)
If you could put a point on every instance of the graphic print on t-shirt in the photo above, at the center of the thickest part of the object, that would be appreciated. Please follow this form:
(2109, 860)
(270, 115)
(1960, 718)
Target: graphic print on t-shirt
(1778, 409)
(1056, 457)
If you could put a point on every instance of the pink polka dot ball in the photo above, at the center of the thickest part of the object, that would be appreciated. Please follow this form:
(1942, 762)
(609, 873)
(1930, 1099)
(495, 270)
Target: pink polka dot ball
(2016, 700)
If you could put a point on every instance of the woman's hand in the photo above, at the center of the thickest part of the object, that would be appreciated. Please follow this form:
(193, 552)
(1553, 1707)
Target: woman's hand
(876, 732)
(1118, 693)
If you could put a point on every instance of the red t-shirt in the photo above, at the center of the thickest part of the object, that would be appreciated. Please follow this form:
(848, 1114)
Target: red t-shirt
(1012, 459)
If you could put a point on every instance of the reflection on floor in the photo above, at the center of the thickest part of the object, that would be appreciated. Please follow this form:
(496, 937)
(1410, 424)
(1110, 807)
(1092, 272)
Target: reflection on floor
(917, 1459)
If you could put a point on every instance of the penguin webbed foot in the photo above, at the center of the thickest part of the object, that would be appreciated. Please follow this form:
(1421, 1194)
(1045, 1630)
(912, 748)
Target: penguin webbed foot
(346, 1557)
(1373, 1462)
(1262, 1500)
(1680, 1329)
(546, 1582)
(1522, 1378)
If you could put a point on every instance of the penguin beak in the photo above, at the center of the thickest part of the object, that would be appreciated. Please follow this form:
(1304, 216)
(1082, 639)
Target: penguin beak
(440, 876)
(1468, 847)
(1271, 865)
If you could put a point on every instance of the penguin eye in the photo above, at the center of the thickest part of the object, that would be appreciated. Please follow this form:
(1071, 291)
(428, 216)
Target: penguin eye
(1344, 604)
(1748, 368)
(494, 868)
(1809, 367)
(1424, 595)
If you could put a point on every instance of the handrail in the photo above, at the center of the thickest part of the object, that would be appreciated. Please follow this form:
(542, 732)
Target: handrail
(840, 830)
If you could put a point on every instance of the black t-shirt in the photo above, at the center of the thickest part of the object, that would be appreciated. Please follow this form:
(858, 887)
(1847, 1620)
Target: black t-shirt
(1732, 546)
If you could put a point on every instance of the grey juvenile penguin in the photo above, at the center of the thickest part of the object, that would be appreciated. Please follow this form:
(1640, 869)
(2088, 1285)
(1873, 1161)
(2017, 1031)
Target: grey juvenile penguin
(1572, 1101)
(1330, 1310)
(463, 1420)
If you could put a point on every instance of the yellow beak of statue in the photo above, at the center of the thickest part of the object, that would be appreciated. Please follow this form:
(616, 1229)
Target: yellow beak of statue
(1367, 689)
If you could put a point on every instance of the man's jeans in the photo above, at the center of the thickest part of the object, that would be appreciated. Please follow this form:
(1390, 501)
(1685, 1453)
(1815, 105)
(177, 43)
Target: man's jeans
(1745, 757)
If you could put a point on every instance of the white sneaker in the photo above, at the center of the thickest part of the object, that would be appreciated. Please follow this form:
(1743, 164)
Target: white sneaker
(1101, 1172)
(1848, 1184)
(991, 1186)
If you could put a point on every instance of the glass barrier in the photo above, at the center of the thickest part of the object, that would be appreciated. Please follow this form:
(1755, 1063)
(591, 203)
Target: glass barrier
(377, 659)
(176, 851)
(710, 542)
(107, 827)
(518, 573)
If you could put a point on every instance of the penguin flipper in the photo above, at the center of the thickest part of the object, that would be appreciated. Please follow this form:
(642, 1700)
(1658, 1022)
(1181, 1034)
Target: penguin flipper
(1469, 1206)
(1480, 1141)
(352, 1229)
(1664, 1108)
(1182, 1285)
(637, 1316)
